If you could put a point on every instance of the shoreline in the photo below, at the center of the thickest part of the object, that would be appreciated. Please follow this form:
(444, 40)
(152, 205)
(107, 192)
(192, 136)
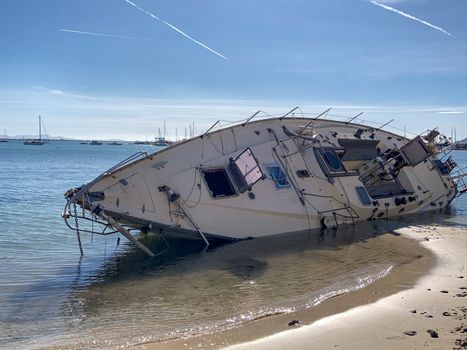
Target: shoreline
(431, 314)
(317, 325)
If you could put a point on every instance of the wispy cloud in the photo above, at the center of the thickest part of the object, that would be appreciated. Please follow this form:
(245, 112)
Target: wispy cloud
(109, 35)
(176, 29)
(73, 114)
(61, 93)
(452, 112)
(389, 8)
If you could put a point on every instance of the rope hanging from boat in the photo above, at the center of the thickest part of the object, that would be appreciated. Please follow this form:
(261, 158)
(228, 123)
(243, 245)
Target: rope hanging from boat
(195, 183)
(75, 212)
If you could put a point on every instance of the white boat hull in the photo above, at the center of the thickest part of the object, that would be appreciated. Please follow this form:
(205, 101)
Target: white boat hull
(169, 189)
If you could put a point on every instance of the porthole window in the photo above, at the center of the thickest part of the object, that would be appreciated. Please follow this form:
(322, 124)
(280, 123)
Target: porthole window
(363, 195)
(278, 176)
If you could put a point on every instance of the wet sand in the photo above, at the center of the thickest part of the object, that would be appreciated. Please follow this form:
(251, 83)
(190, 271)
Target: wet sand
(430, 315)
(418, 301)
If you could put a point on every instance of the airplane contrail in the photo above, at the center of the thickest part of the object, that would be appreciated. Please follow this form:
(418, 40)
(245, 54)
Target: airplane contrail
(110, 35)
(389, 8)
(175, 28)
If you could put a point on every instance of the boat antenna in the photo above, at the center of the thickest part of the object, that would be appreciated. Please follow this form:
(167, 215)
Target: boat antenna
(40, 127)
(286, 114)
(358, 115)
(313, 119)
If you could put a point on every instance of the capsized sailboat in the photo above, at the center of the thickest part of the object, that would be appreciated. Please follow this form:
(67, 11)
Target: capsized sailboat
(268, 176)
(39, 141)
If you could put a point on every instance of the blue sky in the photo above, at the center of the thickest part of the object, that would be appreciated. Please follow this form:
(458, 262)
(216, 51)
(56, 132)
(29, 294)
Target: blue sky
(349, 54)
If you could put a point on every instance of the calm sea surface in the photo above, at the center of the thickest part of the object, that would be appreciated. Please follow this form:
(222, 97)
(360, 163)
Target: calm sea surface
(114, 296)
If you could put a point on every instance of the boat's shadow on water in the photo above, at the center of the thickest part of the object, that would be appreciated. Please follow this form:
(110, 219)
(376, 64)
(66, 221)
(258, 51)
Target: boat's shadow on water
(246, 258)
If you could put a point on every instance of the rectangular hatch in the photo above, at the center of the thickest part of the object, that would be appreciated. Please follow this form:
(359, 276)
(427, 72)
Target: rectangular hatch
(245, 170)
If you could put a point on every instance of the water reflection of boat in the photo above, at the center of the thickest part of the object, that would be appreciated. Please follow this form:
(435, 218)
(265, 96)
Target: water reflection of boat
(39, 141)
(272, 176)
(238, 257)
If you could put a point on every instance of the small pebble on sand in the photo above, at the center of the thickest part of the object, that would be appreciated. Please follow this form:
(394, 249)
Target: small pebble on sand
(410, 333)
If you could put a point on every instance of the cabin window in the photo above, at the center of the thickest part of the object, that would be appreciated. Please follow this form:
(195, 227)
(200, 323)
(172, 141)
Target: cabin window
(363, 195)
(218, 183)
(278, 176)
(332, 160)
(245, 170)
(329, 160)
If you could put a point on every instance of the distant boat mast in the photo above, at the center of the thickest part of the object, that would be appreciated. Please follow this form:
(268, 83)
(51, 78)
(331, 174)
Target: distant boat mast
(4, 136)
(39, 140)
(40, 131)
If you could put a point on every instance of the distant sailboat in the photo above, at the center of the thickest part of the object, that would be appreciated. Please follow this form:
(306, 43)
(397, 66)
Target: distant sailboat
(4, 136)
(39, 141)
(161, 141)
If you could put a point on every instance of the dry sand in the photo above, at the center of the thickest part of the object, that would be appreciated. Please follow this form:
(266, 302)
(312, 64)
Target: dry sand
(406, 310)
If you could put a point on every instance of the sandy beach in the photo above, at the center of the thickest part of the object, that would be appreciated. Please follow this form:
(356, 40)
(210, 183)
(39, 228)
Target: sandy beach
(421, 304)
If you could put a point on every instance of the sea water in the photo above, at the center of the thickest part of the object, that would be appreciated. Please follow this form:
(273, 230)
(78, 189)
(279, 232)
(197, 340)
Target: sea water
(115, 296)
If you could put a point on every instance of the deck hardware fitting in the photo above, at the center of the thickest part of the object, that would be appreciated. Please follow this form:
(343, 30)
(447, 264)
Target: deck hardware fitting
(289, 112)
(251, 117)
(313, 120)
(353, 118)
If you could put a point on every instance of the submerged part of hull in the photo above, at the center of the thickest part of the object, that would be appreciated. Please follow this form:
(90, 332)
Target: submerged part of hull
(268, 177)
